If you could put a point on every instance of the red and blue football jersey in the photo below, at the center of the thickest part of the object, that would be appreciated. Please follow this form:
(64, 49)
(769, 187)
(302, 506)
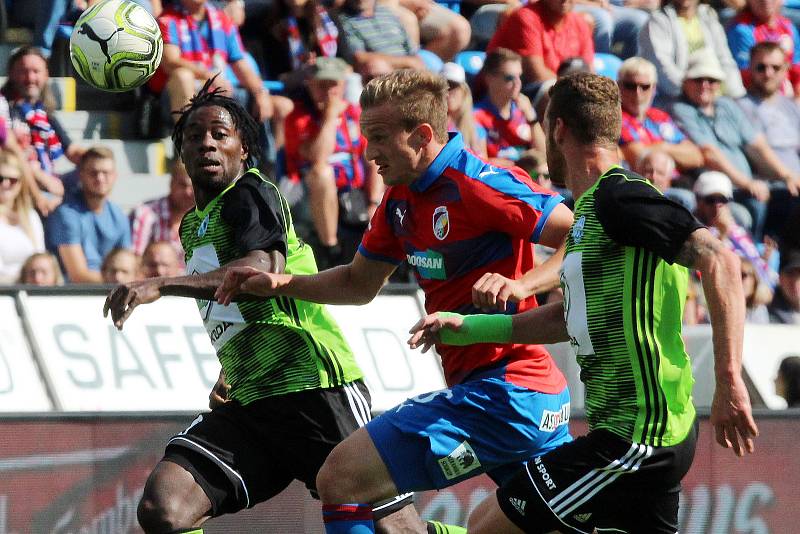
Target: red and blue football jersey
(461, 219)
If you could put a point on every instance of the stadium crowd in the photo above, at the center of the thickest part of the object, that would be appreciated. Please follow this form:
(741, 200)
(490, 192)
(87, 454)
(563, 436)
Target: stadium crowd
(710, 102)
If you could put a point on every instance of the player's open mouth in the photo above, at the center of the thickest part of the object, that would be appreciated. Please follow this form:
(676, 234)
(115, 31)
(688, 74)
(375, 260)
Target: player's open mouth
(209, 164)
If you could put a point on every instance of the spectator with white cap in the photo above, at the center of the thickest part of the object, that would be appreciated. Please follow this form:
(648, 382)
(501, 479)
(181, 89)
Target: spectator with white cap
(714, 192)
(459, 109)
(726, 137)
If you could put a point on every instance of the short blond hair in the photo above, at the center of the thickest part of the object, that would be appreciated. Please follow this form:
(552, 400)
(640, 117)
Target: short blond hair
(96, 152)
(420, 97)
(636, 65)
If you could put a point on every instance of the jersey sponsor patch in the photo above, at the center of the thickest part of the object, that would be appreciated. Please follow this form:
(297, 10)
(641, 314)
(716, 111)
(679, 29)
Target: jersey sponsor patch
(551, 420)
(429, 264)
(459, 462)
(441, 223)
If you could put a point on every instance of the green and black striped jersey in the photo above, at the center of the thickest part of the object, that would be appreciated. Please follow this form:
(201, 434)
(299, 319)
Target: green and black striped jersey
(271, 346)
(623, 301)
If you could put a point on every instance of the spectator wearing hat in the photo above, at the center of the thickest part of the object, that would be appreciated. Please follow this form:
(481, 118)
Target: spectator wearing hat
(645, 127)
(761, 20)
(714, 193)
(459, 109)
(677, 30)
(544, 33)
(726, 137)
(325, 152)
(373, 39)
(785, 305)
(511, 124)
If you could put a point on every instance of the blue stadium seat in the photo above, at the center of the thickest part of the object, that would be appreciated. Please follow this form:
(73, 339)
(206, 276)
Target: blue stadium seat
(471, 61)
(607, 65)
(432, 62)
(452, 5)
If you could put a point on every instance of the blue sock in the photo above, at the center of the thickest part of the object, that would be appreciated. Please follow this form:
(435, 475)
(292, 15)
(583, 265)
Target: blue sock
(348, 518)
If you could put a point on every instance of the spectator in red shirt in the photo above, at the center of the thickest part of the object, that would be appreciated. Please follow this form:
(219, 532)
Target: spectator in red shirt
(325, 150)
(544, 33)
(645, 127)
(505, 114)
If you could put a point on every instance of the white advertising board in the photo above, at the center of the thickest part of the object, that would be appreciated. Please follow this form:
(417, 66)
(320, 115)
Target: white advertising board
(765, 346)
(161, 360)
(377, 333)
(21, 387)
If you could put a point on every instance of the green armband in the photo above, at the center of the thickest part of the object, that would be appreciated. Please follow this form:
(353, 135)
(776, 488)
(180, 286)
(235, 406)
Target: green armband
(477, 329)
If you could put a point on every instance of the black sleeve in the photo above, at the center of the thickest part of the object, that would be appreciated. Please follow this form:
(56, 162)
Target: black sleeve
(253, 209)
(61, 133)
(634, 213)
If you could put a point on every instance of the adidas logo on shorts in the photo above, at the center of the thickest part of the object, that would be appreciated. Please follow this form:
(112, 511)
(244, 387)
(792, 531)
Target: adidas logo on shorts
(518, 504)
(582, 518)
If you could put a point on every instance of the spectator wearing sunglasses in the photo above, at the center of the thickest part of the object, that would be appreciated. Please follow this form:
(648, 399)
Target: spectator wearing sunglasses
(645, 127)
(507, 116)
(727, 138)
(714, 193)
(759, 21)
(21, 232)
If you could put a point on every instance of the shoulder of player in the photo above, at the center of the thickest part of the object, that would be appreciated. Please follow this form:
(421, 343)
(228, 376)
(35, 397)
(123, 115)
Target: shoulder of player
(251, 185)
(620, 185)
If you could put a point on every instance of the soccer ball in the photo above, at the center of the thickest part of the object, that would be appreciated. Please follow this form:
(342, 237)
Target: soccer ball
(116, 45)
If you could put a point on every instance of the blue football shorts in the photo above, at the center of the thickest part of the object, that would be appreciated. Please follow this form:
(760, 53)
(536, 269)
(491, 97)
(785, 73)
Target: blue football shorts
(485, 425)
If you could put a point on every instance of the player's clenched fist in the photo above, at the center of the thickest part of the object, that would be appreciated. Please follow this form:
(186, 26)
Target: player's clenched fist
(493, 291)
(250, 281)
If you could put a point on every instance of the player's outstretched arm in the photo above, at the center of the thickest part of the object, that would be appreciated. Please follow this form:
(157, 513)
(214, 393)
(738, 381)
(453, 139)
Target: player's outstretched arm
(544, 324)
(355, 283)
(124, 298)
(731, 413)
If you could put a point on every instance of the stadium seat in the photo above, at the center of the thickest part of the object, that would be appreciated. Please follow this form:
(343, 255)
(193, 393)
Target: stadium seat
(452, 5)
(471, 61)
(607, 65)
(432, 62)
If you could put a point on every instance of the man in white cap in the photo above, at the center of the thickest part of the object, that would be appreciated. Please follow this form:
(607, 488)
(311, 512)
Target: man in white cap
(726, 138)
(714, 193)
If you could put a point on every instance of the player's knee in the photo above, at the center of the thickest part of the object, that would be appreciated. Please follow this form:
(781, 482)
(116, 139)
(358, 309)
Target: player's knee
(334, 483)
(158, 516)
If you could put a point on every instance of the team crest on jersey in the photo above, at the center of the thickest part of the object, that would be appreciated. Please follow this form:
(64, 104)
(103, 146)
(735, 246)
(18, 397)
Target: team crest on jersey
(201, 230)
(577, 229)
(441, 223)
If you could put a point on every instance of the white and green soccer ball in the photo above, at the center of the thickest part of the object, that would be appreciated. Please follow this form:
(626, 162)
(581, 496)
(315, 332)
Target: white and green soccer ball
(116, 45)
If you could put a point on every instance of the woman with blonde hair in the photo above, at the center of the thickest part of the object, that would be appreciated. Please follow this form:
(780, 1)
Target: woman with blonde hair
(21, 232)
(41, 269)
(459, 109)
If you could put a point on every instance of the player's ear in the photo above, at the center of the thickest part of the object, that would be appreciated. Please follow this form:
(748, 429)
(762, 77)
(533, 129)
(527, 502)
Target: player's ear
(559, 130)
(244, 154)
(422, 135)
